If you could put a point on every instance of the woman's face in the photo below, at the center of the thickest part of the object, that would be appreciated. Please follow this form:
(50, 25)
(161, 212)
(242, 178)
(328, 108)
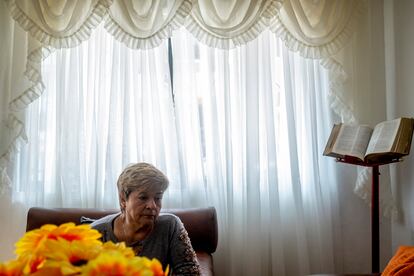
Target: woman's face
(143, 207)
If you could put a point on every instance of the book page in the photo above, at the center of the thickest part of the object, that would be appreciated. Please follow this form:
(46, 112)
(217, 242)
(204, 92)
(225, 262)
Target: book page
(353, 140)
(383, 137)
(402, 144)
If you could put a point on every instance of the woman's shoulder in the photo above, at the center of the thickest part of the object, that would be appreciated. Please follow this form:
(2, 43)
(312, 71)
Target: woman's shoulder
(167, 226)
(104, 221)
(168, 221)
(168, 218)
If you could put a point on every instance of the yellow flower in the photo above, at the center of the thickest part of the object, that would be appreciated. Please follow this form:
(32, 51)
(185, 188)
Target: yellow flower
(155, 266)
(33, 240)
(112, 264)
(32, 263)
(69, 256)
(11, 268)
(75, 250)
(119, 247)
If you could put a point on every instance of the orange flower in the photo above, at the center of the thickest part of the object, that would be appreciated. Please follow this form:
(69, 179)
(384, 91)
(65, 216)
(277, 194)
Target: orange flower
(47, 271)
(156, 267)
(11, 268)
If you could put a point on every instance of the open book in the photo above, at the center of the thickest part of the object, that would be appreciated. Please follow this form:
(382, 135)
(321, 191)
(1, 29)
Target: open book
(387, 141)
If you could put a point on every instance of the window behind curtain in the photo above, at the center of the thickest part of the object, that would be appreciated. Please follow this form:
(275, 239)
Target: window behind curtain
(241, 130)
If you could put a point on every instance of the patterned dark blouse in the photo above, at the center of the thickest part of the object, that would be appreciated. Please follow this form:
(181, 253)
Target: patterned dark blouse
(168, 242)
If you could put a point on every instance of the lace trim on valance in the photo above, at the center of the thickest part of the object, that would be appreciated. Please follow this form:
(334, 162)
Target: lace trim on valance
(33, 74)
(363, 182)
(156, 39)
(16, 127)
(363, 190)
(97, 15)
(337, 78)
(5, 182)
(215, 41)
(322, 51)
(17, 130)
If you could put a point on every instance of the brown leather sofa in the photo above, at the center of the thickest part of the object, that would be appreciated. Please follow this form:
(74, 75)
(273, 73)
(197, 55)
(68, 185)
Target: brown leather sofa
(201, 225)
(373, 274)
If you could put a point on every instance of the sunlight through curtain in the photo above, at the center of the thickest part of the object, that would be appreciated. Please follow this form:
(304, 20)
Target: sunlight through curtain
(241, 130)
(262, 115)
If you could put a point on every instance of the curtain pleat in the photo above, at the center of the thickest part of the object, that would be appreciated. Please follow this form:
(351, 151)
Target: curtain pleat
(59, 24)
(143, 25)
(317, 29)
(226, 24)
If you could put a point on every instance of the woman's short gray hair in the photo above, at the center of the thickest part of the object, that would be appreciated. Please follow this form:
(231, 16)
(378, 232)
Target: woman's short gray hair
(140, 175)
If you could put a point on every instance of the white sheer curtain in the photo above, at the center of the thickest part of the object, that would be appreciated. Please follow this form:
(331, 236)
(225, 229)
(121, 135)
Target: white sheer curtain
(258, 117)
(244, 132)
(105, 106)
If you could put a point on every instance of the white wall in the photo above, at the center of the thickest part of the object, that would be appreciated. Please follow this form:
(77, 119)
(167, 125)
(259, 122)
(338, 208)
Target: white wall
(366, 94)
(401, 100)
(381, 86)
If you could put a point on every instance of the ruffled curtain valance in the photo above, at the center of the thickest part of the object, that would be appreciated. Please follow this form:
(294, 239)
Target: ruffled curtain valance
(226, 24)
(317, 29)
(59, 24)
(144, 24)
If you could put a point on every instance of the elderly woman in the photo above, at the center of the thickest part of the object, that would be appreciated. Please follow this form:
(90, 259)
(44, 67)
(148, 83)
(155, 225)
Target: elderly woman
(140, 225)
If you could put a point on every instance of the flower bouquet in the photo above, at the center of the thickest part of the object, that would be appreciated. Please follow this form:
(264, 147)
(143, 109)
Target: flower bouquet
(71, 249)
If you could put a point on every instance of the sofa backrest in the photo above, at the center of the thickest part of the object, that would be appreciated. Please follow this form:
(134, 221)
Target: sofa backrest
(200, 223)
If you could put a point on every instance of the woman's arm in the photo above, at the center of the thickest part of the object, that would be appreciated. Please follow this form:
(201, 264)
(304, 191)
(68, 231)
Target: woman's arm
(183, 257)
